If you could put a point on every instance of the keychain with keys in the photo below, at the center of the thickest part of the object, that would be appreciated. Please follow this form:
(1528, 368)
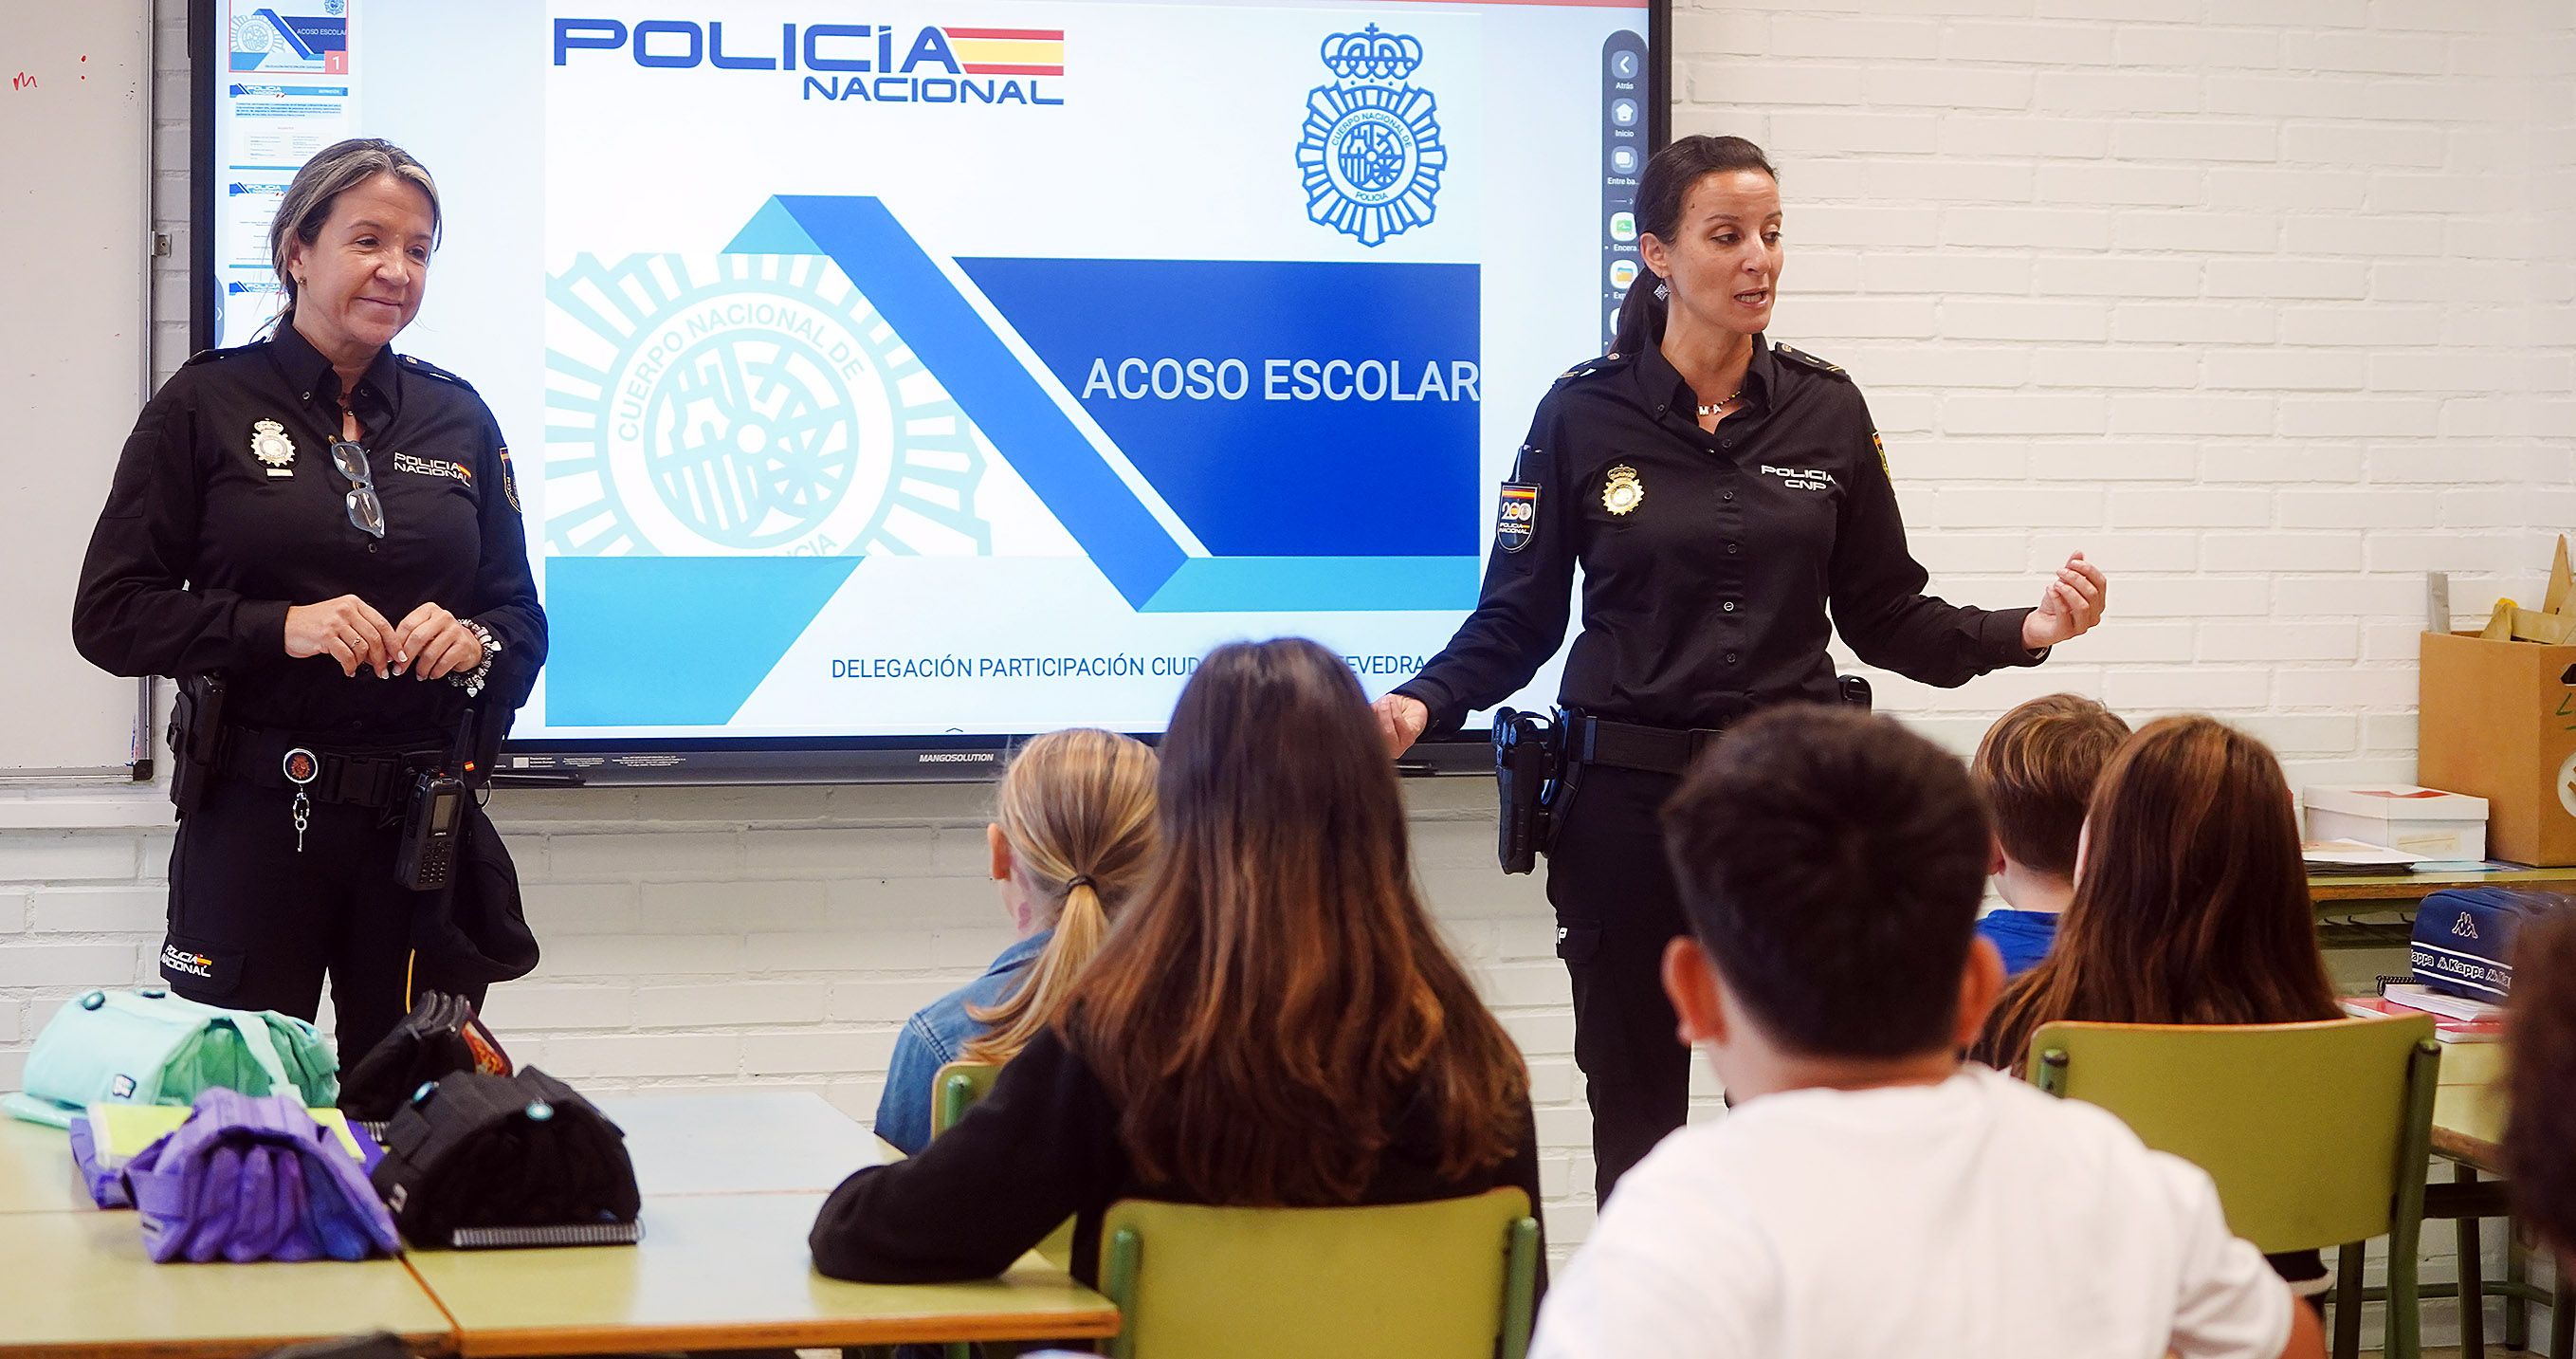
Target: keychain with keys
(300, 769)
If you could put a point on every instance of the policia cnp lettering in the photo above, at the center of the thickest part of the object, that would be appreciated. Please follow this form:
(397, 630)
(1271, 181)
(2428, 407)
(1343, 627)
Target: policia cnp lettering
(1725, 499)
(320, 540)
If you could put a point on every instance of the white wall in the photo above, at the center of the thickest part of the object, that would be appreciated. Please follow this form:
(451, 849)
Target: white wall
(2264, 303)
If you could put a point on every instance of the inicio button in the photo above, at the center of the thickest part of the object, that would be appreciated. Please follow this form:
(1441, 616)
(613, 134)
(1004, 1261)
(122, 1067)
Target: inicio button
(1730, 606)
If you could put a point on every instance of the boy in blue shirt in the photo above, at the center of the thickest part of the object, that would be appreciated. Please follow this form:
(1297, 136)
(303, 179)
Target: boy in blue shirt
(2037, 767)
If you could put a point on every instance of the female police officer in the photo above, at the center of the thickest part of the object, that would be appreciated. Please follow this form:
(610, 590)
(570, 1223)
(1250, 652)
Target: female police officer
(1721, 493)
(332, 532)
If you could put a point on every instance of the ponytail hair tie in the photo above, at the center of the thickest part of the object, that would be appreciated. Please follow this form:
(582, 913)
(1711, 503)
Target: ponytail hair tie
(1079, 880)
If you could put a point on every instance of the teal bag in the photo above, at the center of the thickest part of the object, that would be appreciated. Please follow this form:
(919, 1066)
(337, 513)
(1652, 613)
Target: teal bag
(148, 1046)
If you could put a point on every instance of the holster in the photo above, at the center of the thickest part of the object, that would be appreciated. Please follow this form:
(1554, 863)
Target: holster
(1529, 759)
(196, 739)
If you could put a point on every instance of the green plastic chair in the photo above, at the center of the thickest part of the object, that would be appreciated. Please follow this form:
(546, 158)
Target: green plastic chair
(1448, 1279)
(954, 1091)
(2318, 1134)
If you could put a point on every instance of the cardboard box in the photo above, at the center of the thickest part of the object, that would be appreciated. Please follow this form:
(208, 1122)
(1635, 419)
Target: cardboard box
(2424, 822)
(2497, 720)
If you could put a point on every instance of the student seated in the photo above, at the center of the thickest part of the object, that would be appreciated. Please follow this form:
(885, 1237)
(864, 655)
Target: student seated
(2540, 1117)
(2037, 766)
(1274, 1022)
(2191, 907)
(1073, 828)
(1869, 1194)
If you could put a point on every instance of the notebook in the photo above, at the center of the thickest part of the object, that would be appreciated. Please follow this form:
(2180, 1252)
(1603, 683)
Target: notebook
(120, 1132)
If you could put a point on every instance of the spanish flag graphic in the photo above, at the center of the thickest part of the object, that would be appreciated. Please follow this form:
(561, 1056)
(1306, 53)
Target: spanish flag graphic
(1008, 51)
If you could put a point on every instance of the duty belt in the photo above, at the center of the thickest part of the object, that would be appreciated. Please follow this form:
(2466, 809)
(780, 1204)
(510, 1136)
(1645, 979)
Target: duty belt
(362, 778)
(1625, 745)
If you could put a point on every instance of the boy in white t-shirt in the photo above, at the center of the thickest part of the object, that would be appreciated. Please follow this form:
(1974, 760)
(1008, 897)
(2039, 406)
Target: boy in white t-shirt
(1870, 1195)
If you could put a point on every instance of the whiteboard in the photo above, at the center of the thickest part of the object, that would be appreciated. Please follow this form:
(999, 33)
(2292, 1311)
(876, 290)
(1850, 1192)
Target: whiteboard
(75, 360)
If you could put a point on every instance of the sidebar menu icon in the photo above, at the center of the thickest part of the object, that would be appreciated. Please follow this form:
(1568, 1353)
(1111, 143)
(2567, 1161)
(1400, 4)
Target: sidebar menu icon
(1623, 159)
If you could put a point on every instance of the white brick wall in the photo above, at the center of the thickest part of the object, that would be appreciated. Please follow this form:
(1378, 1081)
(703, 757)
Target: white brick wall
(2264, 304)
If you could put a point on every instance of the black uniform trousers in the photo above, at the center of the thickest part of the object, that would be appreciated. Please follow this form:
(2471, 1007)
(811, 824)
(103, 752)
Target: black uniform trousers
(256, 925)
(1616, 909)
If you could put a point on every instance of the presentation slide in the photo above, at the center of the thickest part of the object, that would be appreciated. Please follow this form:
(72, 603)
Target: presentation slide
(962, 369)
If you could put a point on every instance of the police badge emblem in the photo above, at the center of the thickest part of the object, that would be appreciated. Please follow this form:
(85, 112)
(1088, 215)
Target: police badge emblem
(1622, 493)
(1516, 516)
(1370, 150)
(275, 451)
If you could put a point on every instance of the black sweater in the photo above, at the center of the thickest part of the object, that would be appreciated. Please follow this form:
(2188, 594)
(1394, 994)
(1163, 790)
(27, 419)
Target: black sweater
(1044, 1146)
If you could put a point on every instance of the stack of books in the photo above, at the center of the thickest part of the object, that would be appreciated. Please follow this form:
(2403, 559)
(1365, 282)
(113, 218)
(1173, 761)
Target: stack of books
(2456, 1019)
(2353, 857)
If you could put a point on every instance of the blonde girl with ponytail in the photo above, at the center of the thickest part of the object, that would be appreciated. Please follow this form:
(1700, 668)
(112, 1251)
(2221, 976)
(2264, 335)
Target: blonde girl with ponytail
(1073, 827)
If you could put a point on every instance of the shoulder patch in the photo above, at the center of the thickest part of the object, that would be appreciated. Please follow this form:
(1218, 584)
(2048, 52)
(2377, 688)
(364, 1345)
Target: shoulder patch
(1606, 363)
(210, 355)
(428, 369)
(1804, 359)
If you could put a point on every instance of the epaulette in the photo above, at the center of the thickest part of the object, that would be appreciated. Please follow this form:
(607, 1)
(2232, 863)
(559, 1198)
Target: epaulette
(427, 369)
(1588, 367)
(1806, 360)
(208, 355)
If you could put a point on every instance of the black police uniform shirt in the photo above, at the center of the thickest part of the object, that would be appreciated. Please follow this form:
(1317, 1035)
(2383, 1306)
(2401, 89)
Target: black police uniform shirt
(204, 545)
(1709, 560)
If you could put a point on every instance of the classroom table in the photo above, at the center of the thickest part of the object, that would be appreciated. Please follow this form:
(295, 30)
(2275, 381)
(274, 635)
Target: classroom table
(78, 1283)
(698, 1143)
(729, 1271)
(2468, 1130)
(732, 1181)
(36, 1174)
(2376, 910)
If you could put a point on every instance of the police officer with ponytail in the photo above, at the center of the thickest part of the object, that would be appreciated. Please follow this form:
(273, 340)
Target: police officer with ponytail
(320, 540)
(1730, 505)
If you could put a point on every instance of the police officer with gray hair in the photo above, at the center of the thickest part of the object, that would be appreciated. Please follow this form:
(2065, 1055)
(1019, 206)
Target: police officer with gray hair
(321, 541)
(1721, 494)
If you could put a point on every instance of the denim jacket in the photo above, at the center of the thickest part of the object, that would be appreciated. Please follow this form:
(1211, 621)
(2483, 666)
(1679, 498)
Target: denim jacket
(935, 1036)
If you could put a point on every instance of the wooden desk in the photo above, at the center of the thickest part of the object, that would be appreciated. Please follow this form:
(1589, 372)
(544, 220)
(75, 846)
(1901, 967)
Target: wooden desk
(2468, 1106)
(78, 1283)
(2341, 899)
(730, 1271)
(684, 1143)
(36, 1174)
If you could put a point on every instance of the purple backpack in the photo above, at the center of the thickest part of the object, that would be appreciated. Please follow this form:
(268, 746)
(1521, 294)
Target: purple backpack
(255, 1179)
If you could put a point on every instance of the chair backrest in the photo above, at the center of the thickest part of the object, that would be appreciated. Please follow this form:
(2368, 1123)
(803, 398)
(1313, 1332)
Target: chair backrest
(954, 1091)
(2317, 1133)
(1448, 1279)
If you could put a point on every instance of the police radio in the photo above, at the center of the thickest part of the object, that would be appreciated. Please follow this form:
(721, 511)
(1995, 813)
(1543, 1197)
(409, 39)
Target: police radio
(436, 811)
(434, 817)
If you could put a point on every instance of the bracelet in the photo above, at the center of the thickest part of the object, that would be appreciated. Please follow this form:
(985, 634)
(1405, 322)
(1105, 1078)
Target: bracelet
(471, 681)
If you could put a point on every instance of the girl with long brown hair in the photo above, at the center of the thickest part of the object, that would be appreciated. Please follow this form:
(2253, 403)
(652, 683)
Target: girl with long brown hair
(1273, 1022)
(2191, 900)
(1072, 834)
(2191, 907)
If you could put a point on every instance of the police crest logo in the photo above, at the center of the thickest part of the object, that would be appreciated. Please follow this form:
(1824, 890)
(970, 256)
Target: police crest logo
(1622, 493)
(275, 451)
(1516, 516)
(1370, 150)
(745, 404)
